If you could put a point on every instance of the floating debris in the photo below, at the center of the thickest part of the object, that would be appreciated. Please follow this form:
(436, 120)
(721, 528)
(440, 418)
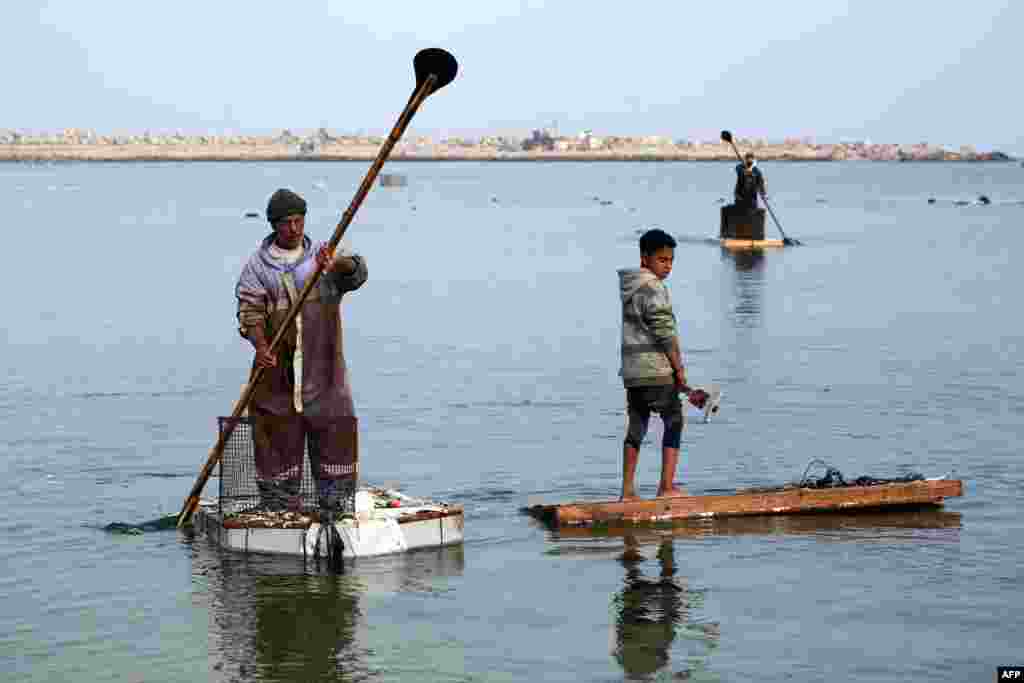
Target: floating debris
(982, 200)
(158, 524)
(251, 214)
(393, 180)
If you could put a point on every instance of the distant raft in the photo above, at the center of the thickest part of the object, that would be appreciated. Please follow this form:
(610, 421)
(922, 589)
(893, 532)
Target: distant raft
(743, 228)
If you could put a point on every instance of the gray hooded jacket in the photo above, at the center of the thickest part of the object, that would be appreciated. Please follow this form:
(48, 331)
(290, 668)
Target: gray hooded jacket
(648, 328)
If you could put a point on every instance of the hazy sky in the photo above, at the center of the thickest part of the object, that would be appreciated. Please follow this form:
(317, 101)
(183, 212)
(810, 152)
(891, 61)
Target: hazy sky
(885, 71)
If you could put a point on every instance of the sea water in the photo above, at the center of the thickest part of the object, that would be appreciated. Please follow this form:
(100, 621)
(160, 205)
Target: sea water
(484, 356)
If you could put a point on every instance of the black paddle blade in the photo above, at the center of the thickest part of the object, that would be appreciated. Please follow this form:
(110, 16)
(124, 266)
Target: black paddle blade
(726, 136)
(435, 61)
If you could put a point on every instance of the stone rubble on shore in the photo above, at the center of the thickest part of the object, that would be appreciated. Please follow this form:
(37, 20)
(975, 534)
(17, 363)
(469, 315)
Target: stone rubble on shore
(78, 145)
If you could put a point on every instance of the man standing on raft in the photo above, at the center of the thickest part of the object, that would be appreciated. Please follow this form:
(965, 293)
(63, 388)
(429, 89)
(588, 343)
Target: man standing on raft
(652, 366)
(749, 183)
(304, 397)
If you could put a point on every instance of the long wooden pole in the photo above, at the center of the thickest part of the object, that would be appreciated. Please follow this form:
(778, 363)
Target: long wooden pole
(420, 94)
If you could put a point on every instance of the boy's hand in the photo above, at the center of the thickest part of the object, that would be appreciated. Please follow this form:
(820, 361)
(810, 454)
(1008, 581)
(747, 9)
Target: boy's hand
(679, 376)
(699, 398)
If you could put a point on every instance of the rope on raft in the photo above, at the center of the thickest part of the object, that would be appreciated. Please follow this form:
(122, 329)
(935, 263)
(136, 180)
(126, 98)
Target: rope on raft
(329, 544)
(833, 478)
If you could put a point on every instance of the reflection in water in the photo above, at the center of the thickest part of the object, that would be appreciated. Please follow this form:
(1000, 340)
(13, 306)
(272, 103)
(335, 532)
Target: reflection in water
(649, 611)
(272, 619)
(909, 524)
(305, 629)
(749, 284)
(656, 616)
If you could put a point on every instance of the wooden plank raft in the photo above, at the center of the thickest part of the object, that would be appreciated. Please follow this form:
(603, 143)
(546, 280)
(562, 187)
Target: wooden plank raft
(789, 501)
(809, 524)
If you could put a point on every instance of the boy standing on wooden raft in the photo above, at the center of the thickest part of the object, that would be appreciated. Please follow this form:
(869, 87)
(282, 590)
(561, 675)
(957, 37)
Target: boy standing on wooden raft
(652, 366)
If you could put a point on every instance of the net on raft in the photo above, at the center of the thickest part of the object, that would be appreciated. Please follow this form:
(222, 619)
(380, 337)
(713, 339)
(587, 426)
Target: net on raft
(291, 463)
(833, 478)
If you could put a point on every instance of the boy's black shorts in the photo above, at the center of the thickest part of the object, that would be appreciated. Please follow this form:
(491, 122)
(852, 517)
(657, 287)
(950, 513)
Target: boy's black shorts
(662, 399)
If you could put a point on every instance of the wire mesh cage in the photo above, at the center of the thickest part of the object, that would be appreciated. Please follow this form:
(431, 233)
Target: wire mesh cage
(291, 463)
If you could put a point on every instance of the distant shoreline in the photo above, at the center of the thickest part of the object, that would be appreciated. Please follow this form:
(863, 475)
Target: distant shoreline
(365, 150)
(526, 158)
(391, 159)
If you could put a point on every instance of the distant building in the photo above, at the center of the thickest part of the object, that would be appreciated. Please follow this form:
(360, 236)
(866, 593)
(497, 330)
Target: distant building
(539, 140)
(458, 142)
(501, 143)
(286, 138)
(655, 140)
(587, 141)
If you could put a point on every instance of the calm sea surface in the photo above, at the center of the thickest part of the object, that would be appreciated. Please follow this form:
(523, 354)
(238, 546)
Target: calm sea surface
(484, 357)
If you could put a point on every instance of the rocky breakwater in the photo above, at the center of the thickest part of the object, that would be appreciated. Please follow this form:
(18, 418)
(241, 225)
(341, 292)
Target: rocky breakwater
(76, 145)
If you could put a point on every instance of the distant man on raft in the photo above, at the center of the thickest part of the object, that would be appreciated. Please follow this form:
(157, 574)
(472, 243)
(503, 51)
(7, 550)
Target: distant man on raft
(749, 183)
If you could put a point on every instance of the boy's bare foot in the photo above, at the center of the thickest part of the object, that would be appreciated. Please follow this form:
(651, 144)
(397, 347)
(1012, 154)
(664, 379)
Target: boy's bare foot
(673, 492)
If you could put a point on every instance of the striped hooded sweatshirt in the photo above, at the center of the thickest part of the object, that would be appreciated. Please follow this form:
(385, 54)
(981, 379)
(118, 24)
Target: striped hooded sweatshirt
(648, 328)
